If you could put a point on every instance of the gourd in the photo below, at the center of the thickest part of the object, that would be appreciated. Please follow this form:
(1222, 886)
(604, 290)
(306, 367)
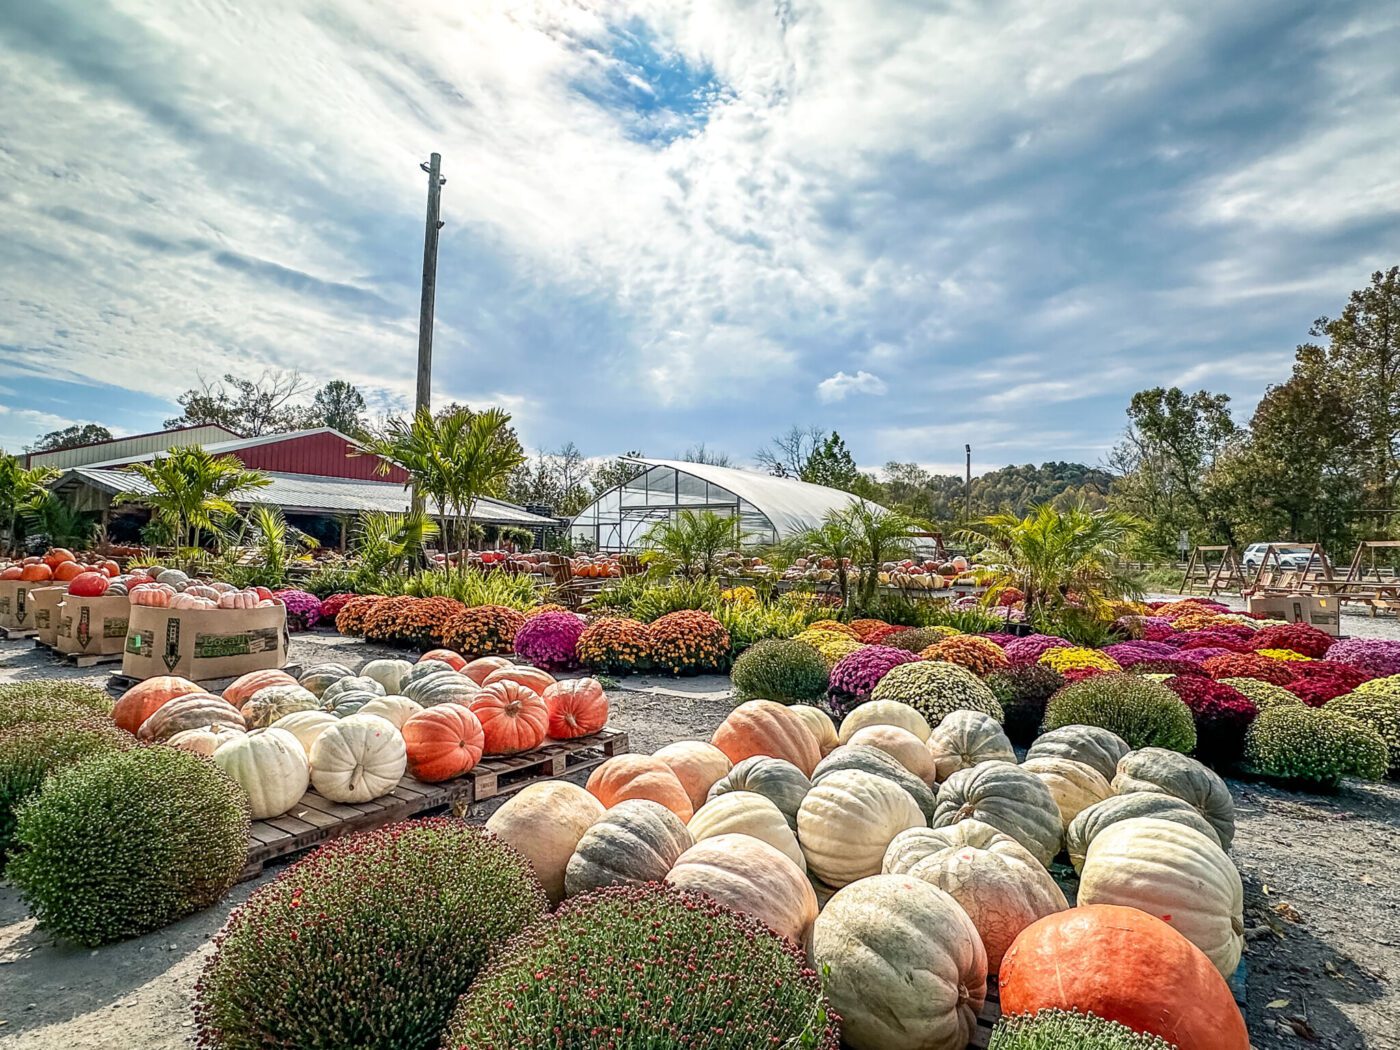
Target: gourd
(271, 768)
(453, 660)
(321, 677)
(237, 599)
(1168, 870)
(271, 702)
(747, 813)
(577, 707)
(143, 699)
(513, 717)
(205, 740)
(482, 667)
(1171, 773)
(751, 876)
(173, 578)
(396, 709)
(544, 822)
(1073, 785)
(780, 782)
(531, 678)
(151, 595)
(884, 712)
(357, 759)
(191, 711)
(306, 726)
(901, 745)
(819, 724)
(697, 765)
(905, 967)
(633, 842)
(762, 727)
(1086, 827)
(443, 741)
(1096, 747)
(1128, 967)
(847, 820)
(448, 687)
(640, 776)
(965, 739)
(1008, 798)
(348, 684)
(878, 763)
(240, 689)
(199, 590)
(1002, 888)
(192, 602)
(392, 675)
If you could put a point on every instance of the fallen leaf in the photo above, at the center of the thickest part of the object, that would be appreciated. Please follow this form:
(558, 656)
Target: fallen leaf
(1278, 1004)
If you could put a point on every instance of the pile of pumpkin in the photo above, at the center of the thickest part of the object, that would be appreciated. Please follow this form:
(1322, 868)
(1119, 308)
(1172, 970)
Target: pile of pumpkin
(57, 565)
(351, 736)
(912, 863)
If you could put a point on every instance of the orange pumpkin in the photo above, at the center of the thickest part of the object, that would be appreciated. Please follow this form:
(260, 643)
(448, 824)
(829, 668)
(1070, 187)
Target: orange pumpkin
(87, 584)
(453, 660)
(111, 568)
(640, 776)
(1129, 967)
(762, 727)
(513, 717)
(443, 741)
(12, 572)
(66, 570)
(144, 698)
(698, 766)
(58, 556)
(530, 677)
(577, 707)
(482, 666)
(36, 573)
(241, 689)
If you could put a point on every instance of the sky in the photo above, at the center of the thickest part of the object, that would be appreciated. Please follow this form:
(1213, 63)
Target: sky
(918, 222)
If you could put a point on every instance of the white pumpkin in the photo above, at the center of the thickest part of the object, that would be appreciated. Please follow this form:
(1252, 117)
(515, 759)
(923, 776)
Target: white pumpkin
(820, 725)
(846, 822)
(883, 713)
(751, 876)
(1169, 773)
(1171, 871)
(357, 759)
(999, 884)
(906, 969)
(901, 745)
(965, 739)
(391, 674)
(397, 709)
(306, 726)
(747, 813)
(270, 767)
(698, 765)
(1075, 786)
(204, 741)
(544, 822)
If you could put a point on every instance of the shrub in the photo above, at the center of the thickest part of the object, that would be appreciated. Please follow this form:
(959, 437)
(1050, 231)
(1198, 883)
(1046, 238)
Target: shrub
(1373, 655)
(129, 841)
(631, 968)
(1318, 681)
(1032, 647)
(304, 611)
(834, 625)
(32, 750)
(1222, 715)
(978, 655)
(1264, 694)
(785, 670)
(856, 674)
(1143, 712)
(550, 639)
(689, 642)
(367, 942)
(1023, 693)
(50, 700)
(1167, 667)
(1314, 745)
(865, 627)
(1378, 712)
(331, 606)
(615, 645)
(937, 689)
(751, 622)
(1298, 637)
(1247, 665)
(415, 623)
(1062, 1030)
(484, 630)
(917, 639)
(830, 646)
(351, 618)
(1063, 660)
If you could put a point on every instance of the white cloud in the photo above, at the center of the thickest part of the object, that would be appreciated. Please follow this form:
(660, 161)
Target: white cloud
(841, 386)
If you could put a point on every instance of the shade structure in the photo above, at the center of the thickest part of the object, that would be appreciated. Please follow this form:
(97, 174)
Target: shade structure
(770, 509)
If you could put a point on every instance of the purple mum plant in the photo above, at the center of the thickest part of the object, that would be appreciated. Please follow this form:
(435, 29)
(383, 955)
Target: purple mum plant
(303, 609)
(857, 674)
(550, 640)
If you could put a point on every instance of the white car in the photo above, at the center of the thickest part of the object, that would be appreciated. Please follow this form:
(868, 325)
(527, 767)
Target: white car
(1288, 557)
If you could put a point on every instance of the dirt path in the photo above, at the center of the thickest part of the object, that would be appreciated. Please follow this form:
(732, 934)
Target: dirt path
(1322, 905)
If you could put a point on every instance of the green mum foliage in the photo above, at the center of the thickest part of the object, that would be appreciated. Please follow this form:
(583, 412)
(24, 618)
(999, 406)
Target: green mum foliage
(783, 670)
(368, 942)
(1316, 745)
(1023, 693)
(1265, 694)
(936, 689)
(1061, 1030)
(637, 967)
(127, 842)
(1143, 712)
(1378, 712)
(50, 700)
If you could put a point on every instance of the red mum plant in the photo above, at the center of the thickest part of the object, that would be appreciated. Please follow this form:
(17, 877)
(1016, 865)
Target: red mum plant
(550, 640)
(1176, 667)
(330, 607)
(1079, 674)
(1323, 680)
(864, 628)
(1249, 665)
(1300, 637)
(1215, 638)
(879, 635)
(1221, 713)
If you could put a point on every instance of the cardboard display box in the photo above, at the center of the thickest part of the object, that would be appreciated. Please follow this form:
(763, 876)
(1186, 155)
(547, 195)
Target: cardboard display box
(92, 626)
(47, 602)
(202, 644)
(1322, 611)
(16, 610)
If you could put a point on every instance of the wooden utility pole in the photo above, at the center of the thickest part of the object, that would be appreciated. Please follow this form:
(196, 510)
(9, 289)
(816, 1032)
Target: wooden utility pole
(425, 310)
(967, 485)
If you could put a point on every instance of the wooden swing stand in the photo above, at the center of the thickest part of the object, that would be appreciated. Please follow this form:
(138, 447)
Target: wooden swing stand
(1214, 569)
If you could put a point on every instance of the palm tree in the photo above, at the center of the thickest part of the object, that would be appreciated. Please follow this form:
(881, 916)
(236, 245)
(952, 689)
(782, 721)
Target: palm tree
(881, 535)
(834, 538)
(192, 490)
(19, 489)
(265, 528)
(1052, 552)
(386, 543)
(694, 543)
(58, 523)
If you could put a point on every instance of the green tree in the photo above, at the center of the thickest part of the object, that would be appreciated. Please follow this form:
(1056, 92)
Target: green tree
(835, 538)
(881, 535)
(61, 526)
(20, 487)
(615, 472)
(70, 437)
(694, 543)
(387, 543)
(831, 464)
(192, 491)
(340, 406)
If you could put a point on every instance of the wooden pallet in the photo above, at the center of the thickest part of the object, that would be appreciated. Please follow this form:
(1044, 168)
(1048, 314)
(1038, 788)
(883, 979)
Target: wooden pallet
(315, 819)
(89, 659)
(14, 634)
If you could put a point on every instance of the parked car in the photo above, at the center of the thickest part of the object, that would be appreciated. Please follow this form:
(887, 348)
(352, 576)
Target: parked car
(1288, 557)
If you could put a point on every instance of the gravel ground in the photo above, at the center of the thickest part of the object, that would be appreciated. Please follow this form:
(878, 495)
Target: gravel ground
(1322, 905)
